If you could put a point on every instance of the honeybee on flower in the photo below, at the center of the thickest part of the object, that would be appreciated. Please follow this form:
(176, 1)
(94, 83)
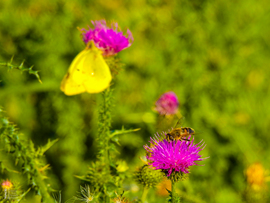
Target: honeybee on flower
(173, 156)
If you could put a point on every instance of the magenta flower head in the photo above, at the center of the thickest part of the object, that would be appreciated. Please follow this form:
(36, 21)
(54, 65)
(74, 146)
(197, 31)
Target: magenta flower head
(108, 39)
(167, 104)
(173, 156)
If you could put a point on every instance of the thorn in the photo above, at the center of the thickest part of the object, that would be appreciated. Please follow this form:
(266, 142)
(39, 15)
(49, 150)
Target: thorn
(44, 168)
(20, 66)
(11, 59)
(144, 161)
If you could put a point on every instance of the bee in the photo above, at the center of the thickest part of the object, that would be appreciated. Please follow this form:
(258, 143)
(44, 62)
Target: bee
(180, 134)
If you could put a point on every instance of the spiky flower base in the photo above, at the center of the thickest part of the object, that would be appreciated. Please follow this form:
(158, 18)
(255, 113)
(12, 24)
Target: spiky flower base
(96, 175)
(148, 177)
(177, 176)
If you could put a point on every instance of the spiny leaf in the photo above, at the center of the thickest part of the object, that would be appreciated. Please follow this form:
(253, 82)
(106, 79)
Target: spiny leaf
(21, 67)
(47, 146)
(123, 131)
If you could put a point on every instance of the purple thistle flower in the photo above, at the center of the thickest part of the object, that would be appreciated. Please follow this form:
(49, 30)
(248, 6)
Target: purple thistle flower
(167, 104)
(173, 155)
(109, 40)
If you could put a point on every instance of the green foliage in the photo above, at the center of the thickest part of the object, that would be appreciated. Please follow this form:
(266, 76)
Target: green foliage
(29, 160)
(106, 175)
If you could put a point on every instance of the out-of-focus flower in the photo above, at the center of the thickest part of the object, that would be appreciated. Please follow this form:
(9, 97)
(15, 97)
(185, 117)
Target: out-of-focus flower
(173, 156)
(163, 187)
(120, 199)
(8, 191)
(108, 39)
(6, 185)
(257, 190)
(121, 166)
(256, 176)
(167, 104)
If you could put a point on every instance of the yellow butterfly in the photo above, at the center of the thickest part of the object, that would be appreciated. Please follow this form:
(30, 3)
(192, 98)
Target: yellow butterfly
(88, 72)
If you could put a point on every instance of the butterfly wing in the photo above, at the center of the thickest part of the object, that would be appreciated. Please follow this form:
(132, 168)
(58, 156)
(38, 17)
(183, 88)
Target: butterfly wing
(98, 75)
(71, 84)
(88, 72)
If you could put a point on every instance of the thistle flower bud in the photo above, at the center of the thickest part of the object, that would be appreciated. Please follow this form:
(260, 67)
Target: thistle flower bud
(96, 175)
(148, 177)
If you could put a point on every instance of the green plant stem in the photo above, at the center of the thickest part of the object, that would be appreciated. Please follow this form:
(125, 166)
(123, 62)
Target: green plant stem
(144, 194)
(107, 200)
(43, 189)
(104, 127)
(173, 191)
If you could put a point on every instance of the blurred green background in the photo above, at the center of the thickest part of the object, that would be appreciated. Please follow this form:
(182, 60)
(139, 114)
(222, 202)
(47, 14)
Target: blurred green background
(213, 54)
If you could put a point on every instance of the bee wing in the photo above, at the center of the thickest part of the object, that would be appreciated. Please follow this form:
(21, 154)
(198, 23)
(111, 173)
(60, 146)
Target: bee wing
(179, 122)
(164, 123)
(168, 122)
